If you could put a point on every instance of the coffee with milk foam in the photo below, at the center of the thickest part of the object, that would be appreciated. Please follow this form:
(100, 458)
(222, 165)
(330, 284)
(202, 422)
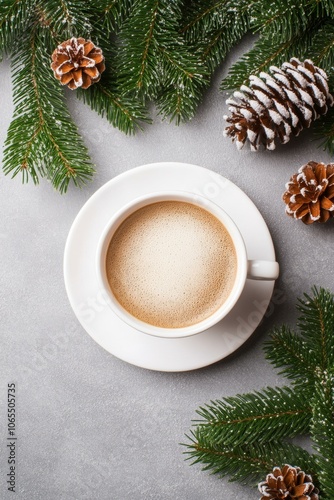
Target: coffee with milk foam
(171, 264)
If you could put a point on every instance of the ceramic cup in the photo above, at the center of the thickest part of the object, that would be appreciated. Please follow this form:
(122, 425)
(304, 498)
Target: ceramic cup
(246, 269)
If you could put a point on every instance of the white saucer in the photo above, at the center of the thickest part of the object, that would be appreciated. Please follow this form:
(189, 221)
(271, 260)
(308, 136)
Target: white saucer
(123, 341)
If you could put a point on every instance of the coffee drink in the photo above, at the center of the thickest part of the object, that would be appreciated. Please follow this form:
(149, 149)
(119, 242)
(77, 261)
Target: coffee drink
(171, 264)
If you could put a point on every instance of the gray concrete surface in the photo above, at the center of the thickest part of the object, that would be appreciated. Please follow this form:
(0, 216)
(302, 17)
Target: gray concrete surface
(90, 426)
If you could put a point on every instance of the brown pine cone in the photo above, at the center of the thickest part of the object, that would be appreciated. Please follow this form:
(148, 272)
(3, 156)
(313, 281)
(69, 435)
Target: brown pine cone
(278, 105)
(309, 194)
(288, 483)
(77, 63)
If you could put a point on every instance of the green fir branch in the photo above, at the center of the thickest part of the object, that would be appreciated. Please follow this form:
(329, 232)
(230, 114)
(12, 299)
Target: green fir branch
(206, 16)
(316, 324)
(159, 50)
(217, 44)
(215, 27)
(321, 49)
(185, 79)
(202, 16)
(321, 52)
(262, 416)
(184, 75)
(285, 349)
(323, 7)
(322, 431)
(66, 18)
(15, 17)
(158, 64)
(283, 19)
(114, 12)
(247, 463)
(245, 435)
(266, 52)
(179, 102)
(138, 70)
(123, 112)
(324, 131)
(42, 139)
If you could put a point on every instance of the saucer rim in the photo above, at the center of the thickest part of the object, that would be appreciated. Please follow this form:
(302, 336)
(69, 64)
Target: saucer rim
(89, 205)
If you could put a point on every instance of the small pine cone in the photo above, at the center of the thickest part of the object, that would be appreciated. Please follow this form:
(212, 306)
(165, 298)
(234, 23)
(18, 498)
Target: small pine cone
(309, 194)
(288, 483)
(77, 63)
(278, 105)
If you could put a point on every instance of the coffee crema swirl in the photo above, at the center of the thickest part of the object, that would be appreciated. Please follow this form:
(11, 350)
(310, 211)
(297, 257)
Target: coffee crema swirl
(171, 264)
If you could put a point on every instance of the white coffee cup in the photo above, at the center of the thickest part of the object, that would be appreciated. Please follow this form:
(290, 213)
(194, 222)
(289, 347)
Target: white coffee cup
(251, 269)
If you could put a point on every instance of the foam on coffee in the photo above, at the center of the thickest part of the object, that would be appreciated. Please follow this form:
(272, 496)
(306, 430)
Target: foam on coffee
(171, 264)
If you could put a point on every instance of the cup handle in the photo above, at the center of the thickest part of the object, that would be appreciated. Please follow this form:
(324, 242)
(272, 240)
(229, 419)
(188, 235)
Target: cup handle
(262, 270)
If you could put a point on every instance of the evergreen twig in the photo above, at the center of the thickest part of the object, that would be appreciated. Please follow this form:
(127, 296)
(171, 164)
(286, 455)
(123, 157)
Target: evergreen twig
(155, 63)
(322, 431)
(160, 50)
(324, 131)
(66, 17)
(247, 434)
(321, 49)
(245, 463)
(316, 324)
(270, 414)
(266, 52)
(42, 140)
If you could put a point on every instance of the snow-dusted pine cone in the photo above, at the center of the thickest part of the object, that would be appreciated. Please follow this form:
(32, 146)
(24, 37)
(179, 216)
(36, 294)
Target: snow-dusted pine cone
(278, 105)
(309, 194)
(288, 483)
(77, 63)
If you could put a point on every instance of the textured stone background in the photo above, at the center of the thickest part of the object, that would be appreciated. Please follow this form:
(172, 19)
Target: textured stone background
(89, 425)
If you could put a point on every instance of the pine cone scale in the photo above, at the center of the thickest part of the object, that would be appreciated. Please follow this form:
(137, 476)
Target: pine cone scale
(86, 62)
(92, 72)
(327, 204)
(86, 81)
(301, 198)
(301, 490)
(97, 57)
(66, 78)
(88, 46)
(65, 67)
(60, 59)
(315, 211)
(303, 213)
(320, 172)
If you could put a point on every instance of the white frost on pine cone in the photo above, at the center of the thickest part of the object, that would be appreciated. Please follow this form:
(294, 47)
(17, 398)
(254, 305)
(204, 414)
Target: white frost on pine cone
(291, 97)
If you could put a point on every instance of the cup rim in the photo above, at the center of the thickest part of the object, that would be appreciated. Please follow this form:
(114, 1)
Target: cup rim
(176, 195)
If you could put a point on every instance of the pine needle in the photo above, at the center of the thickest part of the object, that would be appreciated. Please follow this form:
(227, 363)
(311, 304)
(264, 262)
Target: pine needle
(15, 18)
(42, 140)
